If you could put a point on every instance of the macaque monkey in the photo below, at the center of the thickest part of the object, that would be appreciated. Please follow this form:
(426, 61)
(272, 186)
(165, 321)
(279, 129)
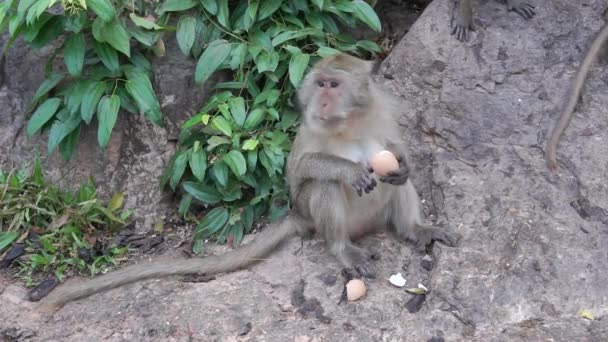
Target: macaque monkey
(462, 15)
(572, 99)
(333, 191)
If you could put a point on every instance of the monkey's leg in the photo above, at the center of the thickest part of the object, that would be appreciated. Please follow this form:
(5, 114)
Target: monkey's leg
(405, 218)
(462, 19)
(520, 7)
(328, 207)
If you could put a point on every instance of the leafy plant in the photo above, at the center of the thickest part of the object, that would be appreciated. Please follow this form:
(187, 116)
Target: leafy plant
(104, 71)
(233, 151)
(62, 230)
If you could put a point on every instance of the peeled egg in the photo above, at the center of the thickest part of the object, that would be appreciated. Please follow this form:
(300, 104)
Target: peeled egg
(355, 289)
(383, 162)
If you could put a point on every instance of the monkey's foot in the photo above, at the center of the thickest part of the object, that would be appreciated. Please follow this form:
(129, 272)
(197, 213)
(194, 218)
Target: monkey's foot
(424, 236)
(522, 8)
(360, 261)
(461, 28)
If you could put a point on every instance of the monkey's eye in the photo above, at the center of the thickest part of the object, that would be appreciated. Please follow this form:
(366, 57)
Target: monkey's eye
(334, 84)
(320, 84)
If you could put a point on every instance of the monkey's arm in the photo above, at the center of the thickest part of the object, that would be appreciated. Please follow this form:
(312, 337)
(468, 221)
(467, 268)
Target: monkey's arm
(402, 174)
(326, 167)
(462, 20)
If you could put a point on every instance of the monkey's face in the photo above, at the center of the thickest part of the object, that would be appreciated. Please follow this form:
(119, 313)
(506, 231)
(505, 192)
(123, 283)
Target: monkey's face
(330, 98)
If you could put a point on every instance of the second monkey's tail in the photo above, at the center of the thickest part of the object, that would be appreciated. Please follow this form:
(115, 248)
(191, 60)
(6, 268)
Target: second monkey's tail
(270, 238)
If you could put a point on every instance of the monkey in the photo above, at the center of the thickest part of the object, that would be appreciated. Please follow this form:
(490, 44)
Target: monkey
(346, 118)
(462, 15)
(570, 102)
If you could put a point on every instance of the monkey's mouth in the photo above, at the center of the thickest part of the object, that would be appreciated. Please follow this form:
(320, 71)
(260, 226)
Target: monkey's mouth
(332, 122)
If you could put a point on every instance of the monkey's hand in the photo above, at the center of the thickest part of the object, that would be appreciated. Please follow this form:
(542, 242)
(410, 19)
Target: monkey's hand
(399, 176)
(522, 8)
(363, 180)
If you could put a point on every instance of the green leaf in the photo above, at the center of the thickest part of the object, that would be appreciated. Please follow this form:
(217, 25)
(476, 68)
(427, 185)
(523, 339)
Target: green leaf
(37, 176)
(250, 144)
(36, 10)
(49, 83)
(268, 8)
(107, 113)
(318, 3)
(115, 34)
(215, 141)
(254, 118)
(62, 128)
(252, 9)
(176, 5)
(73, 53)
(223, 13)
(239, 53)
(210, 6)
(76, 22)
(31, 30)
(237, 109)
(143, 22)
(184, 204)
(42, 115)
(108, 56)
(213, 56)
(90, 100)
(236, 162)
(116, 202)
(203, 193)
(222, 125)
(297, 66)
(220, 171)
(179, 167)
(198, 164)
(186, 33)
(369, 46)
(325, 51)
(215, 220)
(51, 30)
(6, 238)
(140, 88)
(267, 61)
(365, 13)
(103, 9)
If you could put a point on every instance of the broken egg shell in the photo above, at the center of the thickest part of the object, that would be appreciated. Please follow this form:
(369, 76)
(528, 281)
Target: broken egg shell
(355, 289)
(397, 280)
(384, 162)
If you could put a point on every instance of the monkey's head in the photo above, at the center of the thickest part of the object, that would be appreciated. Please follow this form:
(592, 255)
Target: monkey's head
(336, 90)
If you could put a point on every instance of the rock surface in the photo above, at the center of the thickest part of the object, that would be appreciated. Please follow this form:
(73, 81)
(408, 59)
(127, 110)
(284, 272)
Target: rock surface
(535, 245)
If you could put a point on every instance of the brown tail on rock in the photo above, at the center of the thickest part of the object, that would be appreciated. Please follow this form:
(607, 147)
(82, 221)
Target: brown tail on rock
(269, 239)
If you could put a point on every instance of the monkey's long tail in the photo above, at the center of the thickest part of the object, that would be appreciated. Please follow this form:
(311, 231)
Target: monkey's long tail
(572, 100)
(270, 238)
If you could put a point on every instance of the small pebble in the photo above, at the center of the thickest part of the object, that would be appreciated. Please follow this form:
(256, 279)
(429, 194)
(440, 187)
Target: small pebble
(427, 262)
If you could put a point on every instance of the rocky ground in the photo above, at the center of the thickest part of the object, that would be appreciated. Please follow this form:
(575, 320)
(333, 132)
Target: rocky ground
(534, 251)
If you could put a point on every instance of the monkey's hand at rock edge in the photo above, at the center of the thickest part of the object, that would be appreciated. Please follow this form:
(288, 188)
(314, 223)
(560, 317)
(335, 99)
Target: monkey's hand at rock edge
(399, 176)
(522, 8)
